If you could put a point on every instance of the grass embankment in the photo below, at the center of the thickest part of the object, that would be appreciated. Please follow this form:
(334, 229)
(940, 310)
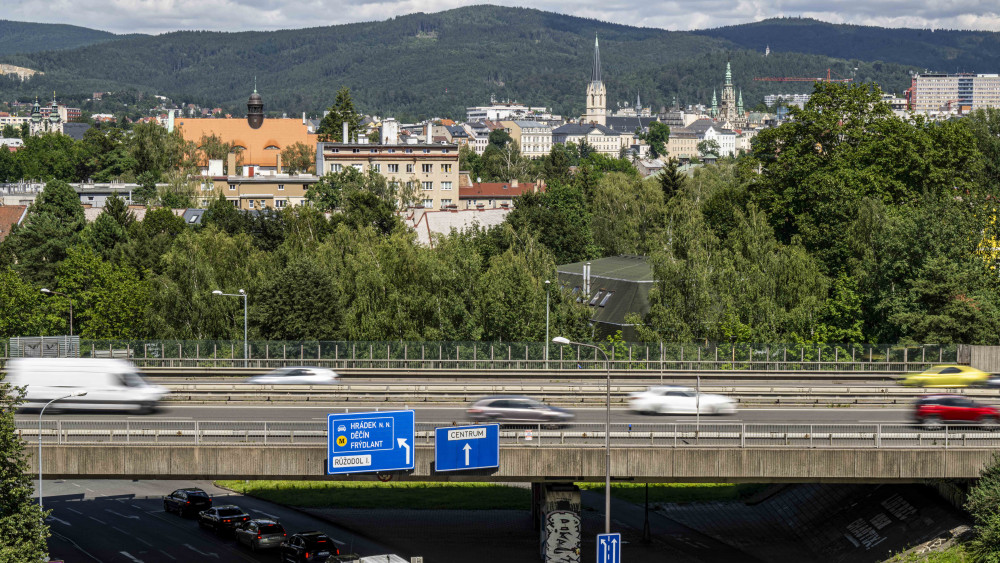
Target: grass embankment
(954, 554)
(463, 496)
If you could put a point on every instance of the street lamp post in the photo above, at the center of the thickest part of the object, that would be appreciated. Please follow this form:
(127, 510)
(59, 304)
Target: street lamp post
(547, 284)
(607, 429)
(243, 294)
(73, 394)
(48, 291)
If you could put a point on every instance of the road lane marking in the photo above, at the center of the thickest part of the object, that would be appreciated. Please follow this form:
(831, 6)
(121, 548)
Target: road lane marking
(209, 554)
(101, 522)
(136, 507)
(130, 556)
(75, 485)
(272, 516)
(76, 545)
(89, 490)
(75, 511)
(168, 555)
(130, 517)
(119, 529)
(143, 541)
(61, 521)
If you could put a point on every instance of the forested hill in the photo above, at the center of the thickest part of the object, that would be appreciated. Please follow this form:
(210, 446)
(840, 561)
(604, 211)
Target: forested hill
(423, 65)
(937, 51)
(25, 37)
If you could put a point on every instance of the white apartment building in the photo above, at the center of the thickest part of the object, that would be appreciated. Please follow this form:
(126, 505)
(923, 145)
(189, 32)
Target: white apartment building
(934, 93)
(507, 111)
(534, 138)
(788, 100)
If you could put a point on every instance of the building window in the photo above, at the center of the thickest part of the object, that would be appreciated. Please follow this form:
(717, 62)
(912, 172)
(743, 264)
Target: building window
(236, 203)
(377, 167)
(426, 168)
(373, 151)
(445, 168)
(357, 167)
(390, 151)
(426, 151)
(445, 203)
(445, 151)
(281, 186)
(355, 150)
(428, 185)
(232, 186)
(409, 169)
(408, 151)
(336, 168)
(445, 185)
(428, 203)
(250, 202)
(393, 168)
(597, 298)
(279, 203)
(606, 297)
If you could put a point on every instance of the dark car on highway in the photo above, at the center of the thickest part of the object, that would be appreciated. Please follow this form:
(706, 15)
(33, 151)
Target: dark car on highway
(223, 518)
(260, 534)
(307, 547)
(933, 410)
(187, 501)
(517, 409)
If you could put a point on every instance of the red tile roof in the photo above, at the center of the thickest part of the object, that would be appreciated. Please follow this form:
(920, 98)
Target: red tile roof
(496, 190)
(10, 215)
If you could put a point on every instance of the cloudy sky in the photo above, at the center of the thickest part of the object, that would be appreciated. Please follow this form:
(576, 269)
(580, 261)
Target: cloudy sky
(158, 16)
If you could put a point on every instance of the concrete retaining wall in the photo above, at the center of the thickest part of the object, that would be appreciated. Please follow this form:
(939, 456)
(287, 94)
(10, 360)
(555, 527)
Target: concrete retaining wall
(755, 465)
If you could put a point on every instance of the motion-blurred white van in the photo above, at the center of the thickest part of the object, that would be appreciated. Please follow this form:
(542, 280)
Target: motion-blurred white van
(110, 384)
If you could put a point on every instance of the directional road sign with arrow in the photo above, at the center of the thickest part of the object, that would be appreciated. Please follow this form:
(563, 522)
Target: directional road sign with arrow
(457, 448)
(609, 548)
(369, 441)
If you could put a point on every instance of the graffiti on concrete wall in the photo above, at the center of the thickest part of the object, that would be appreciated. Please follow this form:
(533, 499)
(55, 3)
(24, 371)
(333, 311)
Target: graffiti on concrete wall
(562, 537)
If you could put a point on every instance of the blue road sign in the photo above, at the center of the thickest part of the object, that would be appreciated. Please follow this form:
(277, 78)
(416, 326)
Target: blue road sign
(466, 447)
(609, 548)
(362, 442)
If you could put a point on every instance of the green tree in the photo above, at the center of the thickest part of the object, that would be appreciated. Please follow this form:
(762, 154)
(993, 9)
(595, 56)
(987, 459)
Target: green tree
(299, 302)
(53, 225)
(558, 218)
(297, 158)
(628, 214)
(342, 110)
(657, 138)
(48, 157)
(670, 178)
(22, 528)
(555, 166)
(708, 147)
(146, 192)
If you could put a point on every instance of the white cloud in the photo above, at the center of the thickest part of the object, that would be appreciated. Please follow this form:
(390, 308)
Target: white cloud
(160, 16)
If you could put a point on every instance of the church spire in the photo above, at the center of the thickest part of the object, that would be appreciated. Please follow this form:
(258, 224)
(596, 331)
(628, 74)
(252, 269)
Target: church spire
(729, 75)
(597, 62)
(739, 104)
(715, 104)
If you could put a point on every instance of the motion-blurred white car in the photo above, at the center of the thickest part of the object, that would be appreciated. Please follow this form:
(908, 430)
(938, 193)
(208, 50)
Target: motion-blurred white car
(679, 400)
(297, 375)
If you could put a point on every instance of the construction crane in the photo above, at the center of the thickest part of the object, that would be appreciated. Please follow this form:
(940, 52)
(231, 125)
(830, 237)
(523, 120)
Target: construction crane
(802, 79)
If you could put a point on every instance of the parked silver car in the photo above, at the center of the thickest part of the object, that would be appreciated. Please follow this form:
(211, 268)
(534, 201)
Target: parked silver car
(517, 409)
(260, 534)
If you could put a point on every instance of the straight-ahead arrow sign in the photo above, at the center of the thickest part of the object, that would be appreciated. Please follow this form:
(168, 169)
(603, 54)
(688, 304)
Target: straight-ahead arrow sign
(467, 448)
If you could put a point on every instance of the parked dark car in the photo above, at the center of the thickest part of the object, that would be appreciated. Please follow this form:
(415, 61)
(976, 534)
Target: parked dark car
(186, 502)
(517, 409)
(933, 410)
(307, 547)
(223, 518)
(260, 534)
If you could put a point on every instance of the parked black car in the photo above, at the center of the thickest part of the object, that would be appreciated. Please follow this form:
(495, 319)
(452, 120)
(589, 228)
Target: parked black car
(187, 501)
(223, 518)
(307, 547)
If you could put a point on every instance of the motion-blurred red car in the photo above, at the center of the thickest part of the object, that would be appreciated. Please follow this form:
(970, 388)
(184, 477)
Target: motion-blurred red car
(933, 410)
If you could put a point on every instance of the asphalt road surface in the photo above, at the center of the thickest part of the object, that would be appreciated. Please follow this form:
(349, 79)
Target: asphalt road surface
(123, 521)
(234, 413)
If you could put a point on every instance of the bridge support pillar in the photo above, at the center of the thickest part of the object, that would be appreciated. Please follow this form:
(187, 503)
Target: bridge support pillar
(555, 509)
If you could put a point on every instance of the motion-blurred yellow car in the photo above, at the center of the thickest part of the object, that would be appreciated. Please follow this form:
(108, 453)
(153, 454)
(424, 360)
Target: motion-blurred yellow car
(947, 376)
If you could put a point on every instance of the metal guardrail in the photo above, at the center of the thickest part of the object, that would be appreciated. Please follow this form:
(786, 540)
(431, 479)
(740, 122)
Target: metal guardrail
(653, 435)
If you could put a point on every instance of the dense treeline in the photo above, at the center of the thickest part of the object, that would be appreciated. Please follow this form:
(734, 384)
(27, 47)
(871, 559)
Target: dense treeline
(940, 50)
(25, 37)
(450, 60)
(846, 224)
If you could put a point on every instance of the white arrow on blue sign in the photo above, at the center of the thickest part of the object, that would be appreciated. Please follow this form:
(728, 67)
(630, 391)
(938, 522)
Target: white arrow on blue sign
(609, 548)
(369, 441)
(457, 448)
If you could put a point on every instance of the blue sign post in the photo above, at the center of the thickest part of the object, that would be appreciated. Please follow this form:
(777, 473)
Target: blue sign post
(457, 448)
(609, 548)
(369, 441)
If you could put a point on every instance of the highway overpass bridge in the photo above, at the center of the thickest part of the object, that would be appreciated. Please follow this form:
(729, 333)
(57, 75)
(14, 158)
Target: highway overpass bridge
(653, 452)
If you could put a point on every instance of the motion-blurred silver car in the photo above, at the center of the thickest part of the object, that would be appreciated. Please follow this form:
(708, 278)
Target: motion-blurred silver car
(517, 409)
(297, 375)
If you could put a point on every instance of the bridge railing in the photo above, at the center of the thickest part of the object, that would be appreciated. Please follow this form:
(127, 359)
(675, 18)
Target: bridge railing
(654, 435)
(506, 356)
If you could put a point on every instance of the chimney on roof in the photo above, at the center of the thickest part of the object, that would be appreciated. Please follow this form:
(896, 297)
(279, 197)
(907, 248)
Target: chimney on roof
(586, 280)
(278, 167)
(343, 138)
(231, 162)
(428, 130)
(303, 118)
(513, 183)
